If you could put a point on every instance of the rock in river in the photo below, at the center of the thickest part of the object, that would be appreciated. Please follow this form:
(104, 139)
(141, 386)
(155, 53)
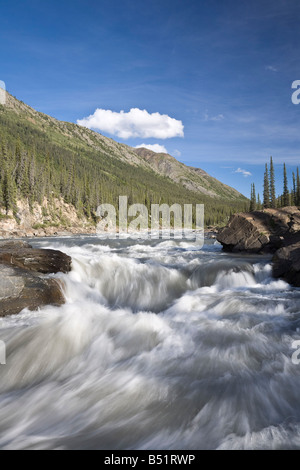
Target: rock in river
(23, 283)
(21, 289)
(260, 231)
(286, 264)
(22, 255)
(268, 231)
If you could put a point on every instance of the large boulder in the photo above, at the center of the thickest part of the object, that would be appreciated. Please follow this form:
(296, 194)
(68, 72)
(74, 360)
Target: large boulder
(13, 244)
(21, 289)
(23, 283)
(286, 264)
(260, 231)
(21, 255)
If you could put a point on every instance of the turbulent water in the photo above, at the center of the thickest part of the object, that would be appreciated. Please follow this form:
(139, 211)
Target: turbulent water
(161, 345)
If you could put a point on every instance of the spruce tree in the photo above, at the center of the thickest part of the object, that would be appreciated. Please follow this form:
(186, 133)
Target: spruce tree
(272, 185)
(25, 187)
(86, 198)
(253, 198)
(70, 185)
(266, 193)
(298, 188)
(8, 184)
(294, 190)
(18, 158)
(286, 194)
(259, 204)
(32, 188)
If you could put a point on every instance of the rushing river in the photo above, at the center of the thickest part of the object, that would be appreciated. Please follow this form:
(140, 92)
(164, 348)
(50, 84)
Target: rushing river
(161, 345)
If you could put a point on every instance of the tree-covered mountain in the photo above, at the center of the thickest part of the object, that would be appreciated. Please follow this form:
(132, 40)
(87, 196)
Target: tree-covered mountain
(43, 159)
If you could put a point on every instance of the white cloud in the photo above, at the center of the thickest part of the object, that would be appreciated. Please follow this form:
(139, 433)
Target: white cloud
(271, 68)
(245, 173)
(219, 117)
(154, 147)
(177, 153)
(135, 123)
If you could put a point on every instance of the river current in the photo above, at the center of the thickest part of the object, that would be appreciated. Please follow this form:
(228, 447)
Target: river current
(160, 345)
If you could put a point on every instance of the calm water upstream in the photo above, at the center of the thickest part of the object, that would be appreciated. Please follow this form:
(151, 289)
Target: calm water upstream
(161, 345)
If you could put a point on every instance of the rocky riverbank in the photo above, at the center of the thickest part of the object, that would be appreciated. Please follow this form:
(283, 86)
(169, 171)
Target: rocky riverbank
(52, 218)
(269, 231)
(23, 281)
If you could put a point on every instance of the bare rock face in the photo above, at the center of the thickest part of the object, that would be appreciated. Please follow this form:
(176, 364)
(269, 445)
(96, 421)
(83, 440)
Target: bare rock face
(37, 221)
(269, 231)
(260, 231)
(22, 280)
(21, 255)
(20, 289)
(286, 264)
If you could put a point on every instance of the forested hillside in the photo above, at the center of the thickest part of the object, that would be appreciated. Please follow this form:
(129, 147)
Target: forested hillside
(42, 158)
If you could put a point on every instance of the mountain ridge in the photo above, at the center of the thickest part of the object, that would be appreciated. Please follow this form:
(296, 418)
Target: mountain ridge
(194, 179)
(45, 160)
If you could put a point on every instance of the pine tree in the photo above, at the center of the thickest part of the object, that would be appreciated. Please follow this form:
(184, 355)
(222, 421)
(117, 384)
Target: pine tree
(253, 198)
(286, 194)
(272, 185)
(266, 194)
(294, 190)
(19, 165)
(32, 188)
(70, 186)
(259, 204)
(86, 198)
(25, 188)
(298, 188)
(17, 172)
(22, 173)
(8, 184)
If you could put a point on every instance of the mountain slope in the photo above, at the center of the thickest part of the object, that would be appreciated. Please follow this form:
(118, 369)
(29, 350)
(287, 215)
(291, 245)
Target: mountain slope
(191, 178)
(43, 159)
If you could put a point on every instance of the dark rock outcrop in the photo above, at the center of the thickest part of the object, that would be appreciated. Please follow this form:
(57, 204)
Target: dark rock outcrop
(21, 255)
(260, 231)
(23, 283)
(286, 264)
(269, 231)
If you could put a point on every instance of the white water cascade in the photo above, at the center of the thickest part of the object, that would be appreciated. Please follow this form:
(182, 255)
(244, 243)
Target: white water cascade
(160, 345)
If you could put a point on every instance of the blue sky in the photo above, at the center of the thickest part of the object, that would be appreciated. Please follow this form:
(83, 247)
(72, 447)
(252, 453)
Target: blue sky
(223, 69)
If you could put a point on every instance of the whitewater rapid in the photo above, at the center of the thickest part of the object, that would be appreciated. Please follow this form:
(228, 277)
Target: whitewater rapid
(160, 345)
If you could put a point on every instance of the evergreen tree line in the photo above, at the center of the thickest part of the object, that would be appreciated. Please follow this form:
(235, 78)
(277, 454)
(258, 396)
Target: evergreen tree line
(289, 197)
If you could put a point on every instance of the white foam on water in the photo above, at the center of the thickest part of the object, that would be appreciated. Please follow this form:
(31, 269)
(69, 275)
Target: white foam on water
(148, 353)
